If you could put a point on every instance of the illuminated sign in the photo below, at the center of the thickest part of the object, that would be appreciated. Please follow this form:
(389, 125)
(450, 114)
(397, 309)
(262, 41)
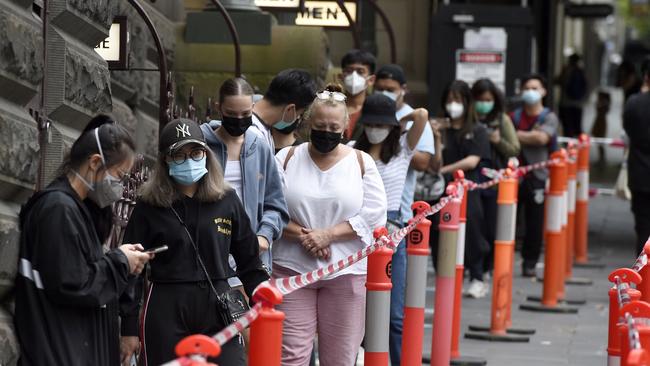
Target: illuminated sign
(277, 3)
(113, 48)
(326, 14)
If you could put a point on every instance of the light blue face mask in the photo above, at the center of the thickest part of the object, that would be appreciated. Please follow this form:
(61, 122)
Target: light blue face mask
(282, 124)
(531, 96)
(188, 172)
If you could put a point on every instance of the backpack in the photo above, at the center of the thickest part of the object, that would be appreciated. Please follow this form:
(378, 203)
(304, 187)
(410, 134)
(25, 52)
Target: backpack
(516, 120)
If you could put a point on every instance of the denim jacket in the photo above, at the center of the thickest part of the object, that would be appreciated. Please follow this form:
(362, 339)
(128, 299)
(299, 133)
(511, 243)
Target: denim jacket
(262, 193)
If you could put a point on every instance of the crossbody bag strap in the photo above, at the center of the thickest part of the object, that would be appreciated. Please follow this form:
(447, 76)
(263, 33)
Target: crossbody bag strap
(292, 150)
(196, 250)
(362, 165)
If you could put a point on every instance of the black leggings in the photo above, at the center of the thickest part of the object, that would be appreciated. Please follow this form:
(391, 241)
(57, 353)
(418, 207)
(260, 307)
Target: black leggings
(175, 311)
(531, 205)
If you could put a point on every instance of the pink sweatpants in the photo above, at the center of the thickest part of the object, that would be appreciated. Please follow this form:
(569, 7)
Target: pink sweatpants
(333, 308)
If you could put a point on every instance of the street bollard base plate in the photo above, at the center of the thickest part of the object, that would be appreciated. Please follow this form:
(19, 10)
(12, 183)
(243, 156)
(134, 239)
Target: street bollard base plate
(596, 265)
(567, 301)
(468, 361)
(557, 309)
(490, 337)
(579, 281)
(521, 331)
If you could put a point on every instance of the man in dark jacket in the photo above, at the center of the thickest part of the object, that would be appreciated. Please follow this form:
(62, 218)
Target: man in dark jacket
(636, 122)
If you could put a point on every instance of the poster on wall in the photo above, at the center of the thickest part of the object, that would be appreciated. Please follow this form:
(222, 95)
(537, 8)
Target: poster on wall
(472, 65)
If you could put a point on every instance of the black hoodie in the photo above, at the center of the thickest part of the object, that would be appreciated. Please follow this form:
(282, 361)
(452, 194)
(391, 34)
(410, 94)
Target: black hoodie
(64, 282)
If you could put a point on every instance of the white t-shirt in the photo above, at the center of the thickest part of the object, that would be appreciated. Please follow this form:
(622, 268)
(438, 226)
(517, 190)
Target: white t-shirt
(321, 199)
(393, 174)
(232, 175)
(263, 130)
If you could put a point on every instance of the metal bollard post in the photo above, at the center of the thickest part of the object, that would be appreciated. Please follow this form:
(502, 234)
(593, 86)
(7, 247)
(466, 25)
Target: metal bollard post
(265, 347)
(446, 271)
(504, 252)
(613, 340)
(418, 252)
(554, 254)
(640, 311)
(378, 287)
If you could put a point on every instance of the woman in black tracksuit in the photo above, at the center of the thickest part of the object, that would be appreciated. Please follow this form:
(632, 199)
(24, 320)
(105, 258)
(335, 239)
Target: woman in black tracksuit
(188, 207)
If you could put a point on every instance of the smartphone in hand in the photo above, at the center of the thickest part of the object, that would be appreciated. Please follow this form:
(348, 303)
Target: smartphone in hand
(156, 250)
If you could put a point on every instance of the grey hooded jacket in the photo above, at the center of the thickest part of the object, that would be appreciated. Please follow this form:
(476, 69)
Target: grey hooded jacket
(262, 193)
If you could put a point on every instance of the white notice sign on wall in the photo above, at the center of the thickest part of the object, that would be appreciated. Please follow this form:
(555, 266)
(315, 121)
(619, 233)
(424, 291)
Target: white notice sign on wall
(472, 65)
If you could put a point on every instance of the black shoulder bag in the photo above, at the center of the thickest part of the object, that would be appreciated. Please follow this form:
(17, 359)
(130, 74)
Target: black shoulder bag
(232, 303)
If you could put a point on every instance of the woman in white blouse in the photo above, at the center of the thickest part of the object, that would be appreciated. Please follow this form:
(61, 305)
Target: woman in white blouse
(336, 199)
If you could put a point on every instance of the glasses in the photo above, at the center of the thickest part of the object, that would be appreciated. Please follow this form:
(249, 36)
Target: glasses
(180, 157)
(327, 95)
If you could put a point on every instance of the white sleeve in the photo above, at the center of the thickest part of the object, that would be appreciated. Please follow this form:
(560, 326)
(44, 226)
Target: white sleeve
(373, 210)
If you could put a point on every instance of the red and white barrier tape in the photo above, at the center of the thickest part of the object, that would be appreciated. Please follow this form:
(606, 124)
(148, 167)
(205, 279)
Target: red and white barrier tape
(594, 140)
(640, 262)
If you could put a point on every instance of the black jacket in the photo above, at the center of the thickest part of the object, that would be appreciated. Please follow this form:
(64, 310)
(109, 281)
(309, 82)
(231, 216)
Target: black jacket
(218, 229)
(64, 283)
(636, 122)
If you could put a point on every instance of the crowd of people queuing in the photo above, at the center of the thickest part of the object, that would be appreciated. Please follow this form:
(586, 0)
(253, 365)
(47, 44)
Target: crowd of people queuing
(250, 195)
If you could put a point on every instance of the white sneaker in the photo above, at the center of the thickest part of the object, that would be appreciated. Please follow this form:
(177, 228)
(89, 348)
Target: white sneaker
(477, 289)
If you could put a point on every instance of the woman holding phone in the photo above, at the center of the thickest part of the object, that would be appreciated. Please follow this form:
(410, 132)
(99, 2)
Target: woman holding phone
(188, 206)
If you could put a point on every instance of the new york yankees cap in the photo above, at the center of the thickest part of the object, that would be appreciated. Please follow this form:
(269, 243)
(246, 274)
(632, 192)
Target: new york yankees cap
(179, 133)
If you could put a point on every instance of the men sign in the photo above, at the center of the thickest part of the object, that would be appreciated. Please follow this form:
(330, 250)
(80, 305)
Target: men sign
(326, 14)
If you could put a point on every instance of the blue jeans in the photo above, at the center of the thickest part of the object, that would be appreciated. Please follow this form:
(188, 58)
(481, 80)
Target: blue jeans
(397, 293)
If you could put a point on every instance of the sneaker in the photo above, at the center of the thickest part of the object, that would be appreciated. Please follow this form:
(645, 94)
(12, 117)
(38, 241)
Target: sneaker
(477, 289)
(528, 271)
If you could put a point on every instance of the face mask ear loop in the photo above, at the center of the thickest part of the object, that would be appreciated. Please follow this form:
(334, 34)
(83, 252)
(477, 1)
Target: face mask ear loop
(99, 145)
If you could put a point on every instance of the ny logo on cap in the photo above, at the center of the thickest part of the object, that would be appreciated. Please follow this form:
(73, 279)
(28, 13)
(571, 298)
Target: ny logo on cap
(183, 129)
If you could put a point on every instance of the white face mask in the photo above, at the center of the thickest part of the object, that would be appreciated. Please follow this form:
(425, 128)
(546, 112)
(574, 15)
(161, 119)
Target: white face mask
(377, 135)
(355, 83)
(391, 95)
(455, 109)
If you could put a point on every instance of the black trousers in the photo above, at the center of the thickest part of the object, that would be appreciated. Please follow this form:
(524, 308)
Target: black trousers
(641, 211)
(175, 311)
(571, 118)
(489, 202)
(531, 206)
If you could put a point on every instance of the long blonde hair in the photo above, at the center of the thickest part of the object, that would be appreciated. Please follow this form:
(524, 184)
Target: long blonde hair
(160, 190)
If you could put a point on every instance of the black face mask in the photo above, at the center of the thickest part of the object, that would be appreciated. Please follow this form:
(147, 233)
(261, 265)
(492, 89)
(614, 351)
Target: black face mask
(288, 130)
(325, 141)
(236, 126)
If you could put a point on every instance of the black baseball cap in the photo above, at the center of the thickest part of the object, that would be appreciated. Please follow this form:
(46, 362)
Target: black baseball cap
(379, 109)
(393, 72)
(179, 133)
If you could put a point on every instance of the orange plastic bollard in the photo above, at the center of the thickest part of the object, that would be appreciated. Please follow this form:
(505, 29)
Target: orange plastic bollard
(194, 350)
(638, 310)
(445, 283)
(504, 252)
(638, 357)
(572, 165)
(564, 212)
(582, 200)
(644, 287)
(378, 285)
(613, 339)
(459, 176)
(554, 253)
(265, 347)
(417, 250)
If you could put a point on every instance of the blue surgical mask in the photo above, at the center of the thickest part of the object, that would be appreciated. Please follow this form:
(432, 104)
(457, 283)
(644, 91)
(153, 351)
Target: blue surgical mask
(282, 124)
(389, 94)
(188, 172)
(531, 96)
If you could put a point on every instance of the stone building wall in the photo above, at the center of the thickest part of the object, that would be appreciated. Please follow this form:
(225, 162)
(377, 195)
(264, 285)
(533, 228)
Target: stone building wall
(78, 85)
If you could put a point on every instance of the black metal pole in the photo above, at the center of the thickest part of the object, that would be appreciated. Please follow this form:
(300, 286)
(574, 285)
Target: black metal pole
(389, 29)
(41, 117)
(351, 26)
(233, 34)
(162, 62)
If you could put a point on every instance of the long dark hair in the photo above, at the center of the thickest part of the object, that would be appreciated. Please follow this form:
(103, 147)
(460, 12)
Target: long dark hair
(117, 145)
(461, 89)
(389, 147)
(482, 86)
